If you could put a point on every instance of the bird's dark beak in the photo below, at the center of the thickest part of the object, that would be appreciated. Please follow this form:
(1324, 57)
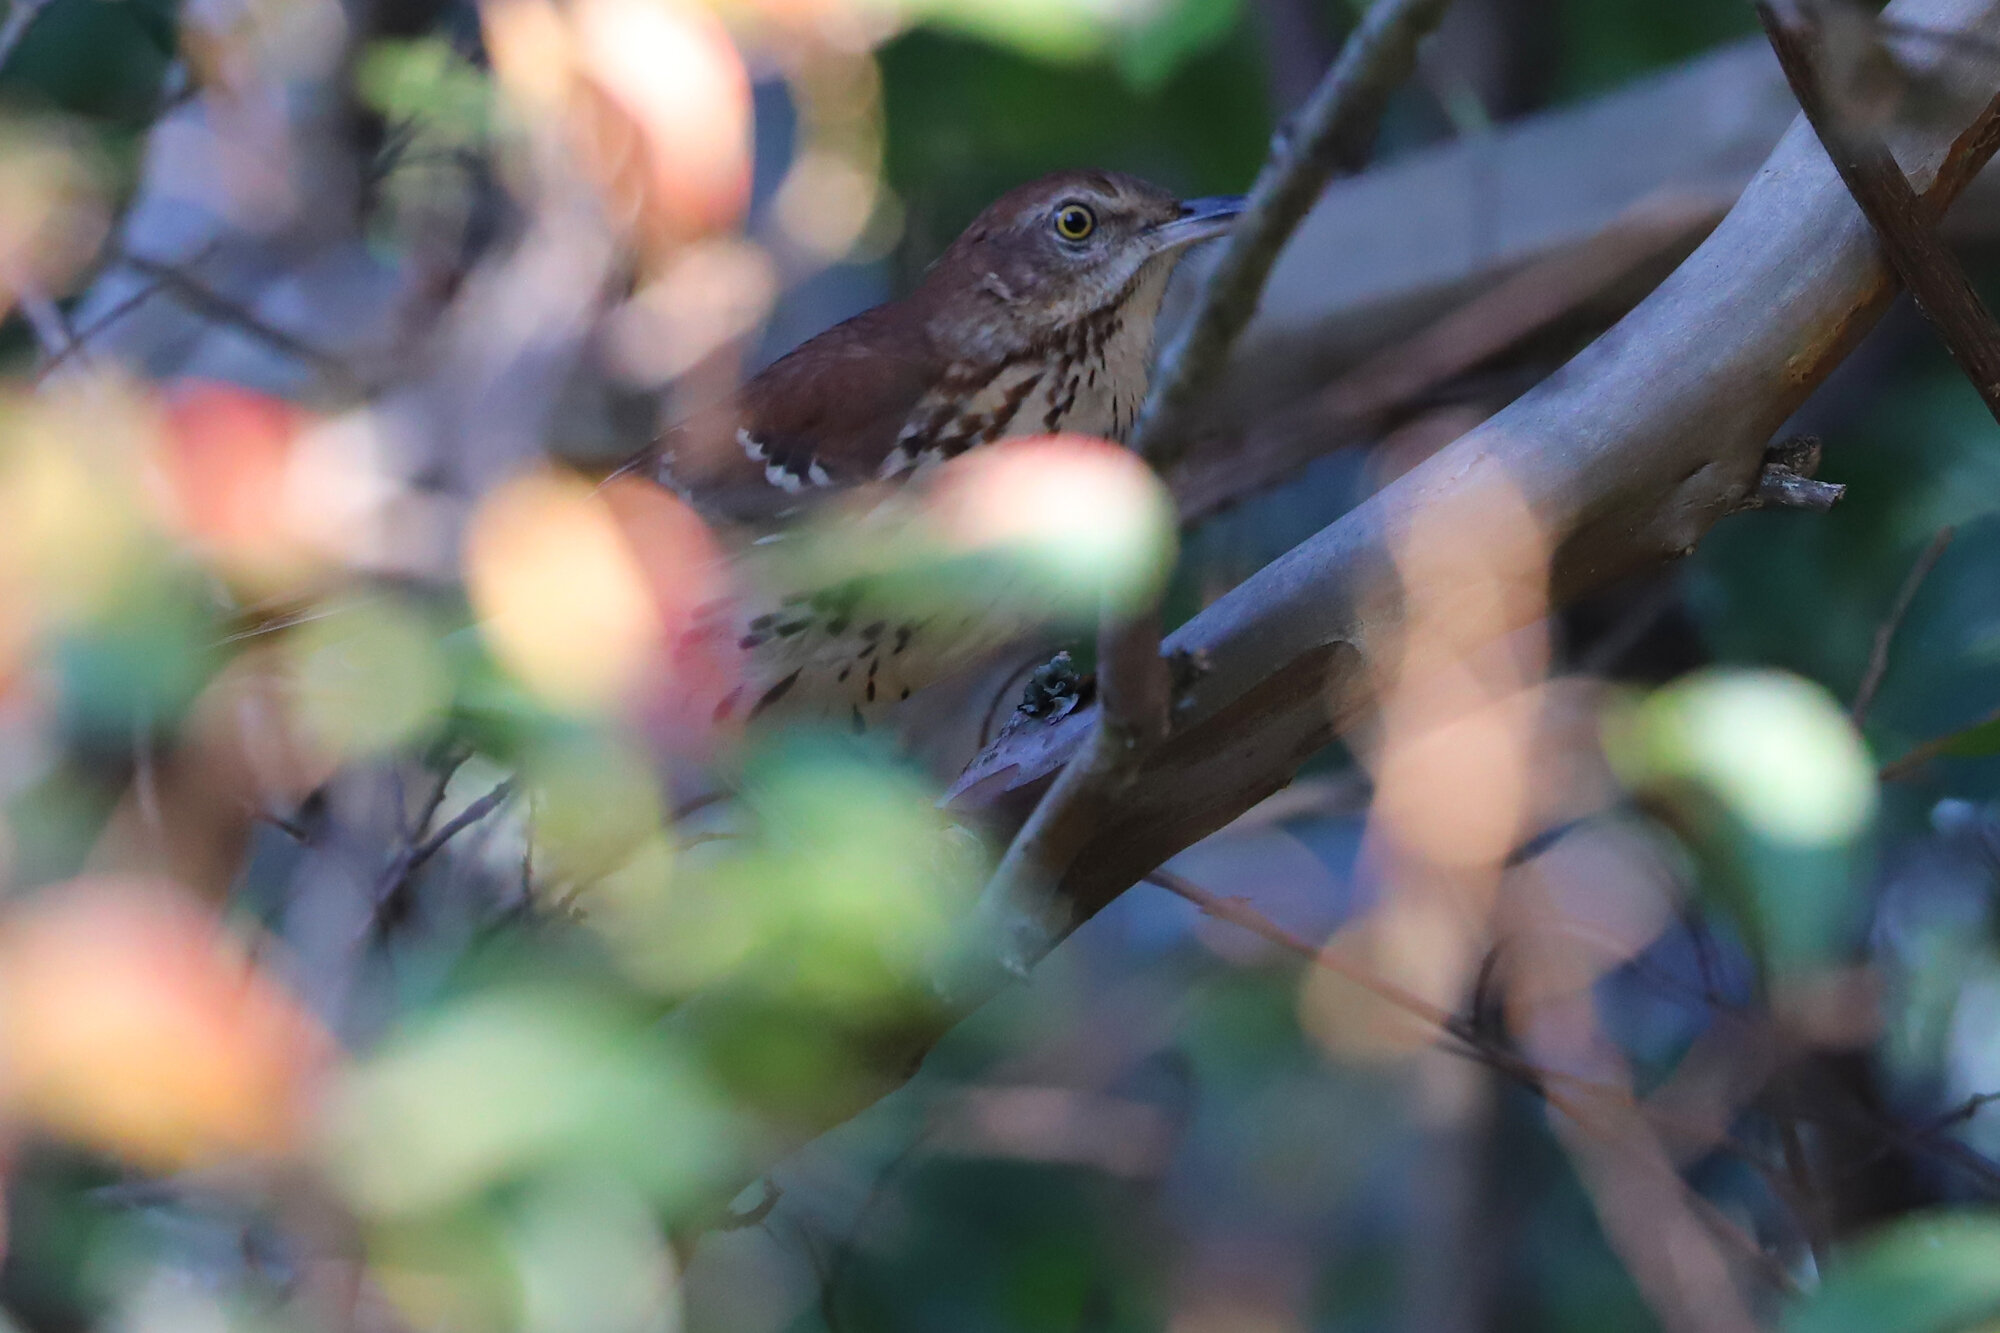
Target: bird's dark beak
(1200, 220)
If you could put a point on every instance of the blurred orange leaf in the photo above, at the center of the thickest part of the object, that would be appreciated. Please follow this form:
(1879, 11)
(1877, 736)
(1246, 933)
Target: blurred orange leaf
(670, 68)
(225, 457)
(130, 1023)
(583, 593)
(655, 98)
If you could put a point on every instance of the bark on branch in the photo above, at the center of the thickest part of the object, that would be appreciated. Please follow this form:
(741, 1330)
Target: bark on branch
(1904, 223)
(1628, 456)
(1333, 131)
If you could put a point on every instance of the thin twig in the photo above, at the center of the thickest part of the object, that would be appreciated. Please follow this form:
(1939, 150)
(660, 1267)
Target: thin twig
(219, 309)
(21, 16)
(1332, 133)
(1465, 1038)
(1898, 769)
(1885, 634)
(459, 823)
(1904, 223)
(418, 849)
(83, 336)
(126, 305)
(1020, 906)
(1239, 912)
(1963, 1112)
(44, 318)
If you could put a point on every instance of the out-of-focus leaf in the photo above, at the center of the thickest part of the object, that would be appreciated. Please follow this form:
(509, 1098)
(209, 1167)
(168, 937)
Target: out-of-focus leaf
(513, 1085)
(597, 802)
(1148, 37)
(1183, 28)
(369, 678)
(429, 85)
(1766, 769)
(52, 213)
(1028, 529)
(585, 593)
(1775, 749)
(591, 1258)
(1925, 1274)
(138, 663)
(130, 1025)
(836, 894)
(1975, 742)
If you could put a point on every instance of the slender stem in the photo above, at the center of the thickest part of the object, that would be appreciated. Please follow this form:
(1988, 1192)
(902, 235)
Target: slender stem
(1331, 133)
(1885, 633)
(1021, 903)
(21, 16)
(1919, 755)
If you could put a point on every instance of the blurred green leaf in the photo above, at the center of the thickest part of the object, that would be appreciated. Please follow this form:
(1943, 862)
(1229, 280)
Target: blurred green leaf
(517, 1084)
(427, 84)
(1149, 56)
(1764, 769)
(1775, 749)
(370, 678)
(1149, 38)
(140, 661)
(1925, 1274)
(1975, 742)
(849, 878)
(597, 802)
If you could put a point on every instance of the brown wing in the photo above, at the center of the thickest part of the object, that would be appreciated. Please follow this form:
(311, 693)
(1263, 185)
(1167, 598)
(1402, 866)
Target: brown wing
(815, 422)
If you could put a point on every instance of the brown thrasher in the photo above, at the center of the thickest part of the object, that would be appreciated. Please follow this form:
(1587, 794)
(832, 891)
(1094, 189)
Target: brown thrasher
(1038, 318)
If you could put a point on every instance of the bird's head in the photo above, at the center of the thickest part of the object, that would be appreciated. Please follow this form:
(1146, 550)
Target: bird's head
(1063, 248)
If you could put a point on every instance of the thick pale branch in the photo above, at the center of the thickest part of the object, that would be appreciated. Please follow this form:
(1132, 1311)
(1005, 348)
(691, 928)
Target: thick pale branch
(1627, 456)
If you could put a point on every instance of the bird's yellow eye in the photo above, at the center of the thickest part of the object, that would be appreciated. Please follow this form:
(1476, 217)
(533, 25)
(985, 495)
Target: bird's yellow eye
(1075, 222)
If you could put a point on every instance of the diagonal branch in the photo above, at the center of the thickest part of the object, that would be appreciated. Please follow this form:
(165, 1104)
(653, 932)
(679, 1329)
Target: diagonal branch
(1332, 133)
(1627, 457)
(214, 306)
(1334, 129)
(1978, 737)
(1885, 633)
(21, 16)
(1904, 222)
